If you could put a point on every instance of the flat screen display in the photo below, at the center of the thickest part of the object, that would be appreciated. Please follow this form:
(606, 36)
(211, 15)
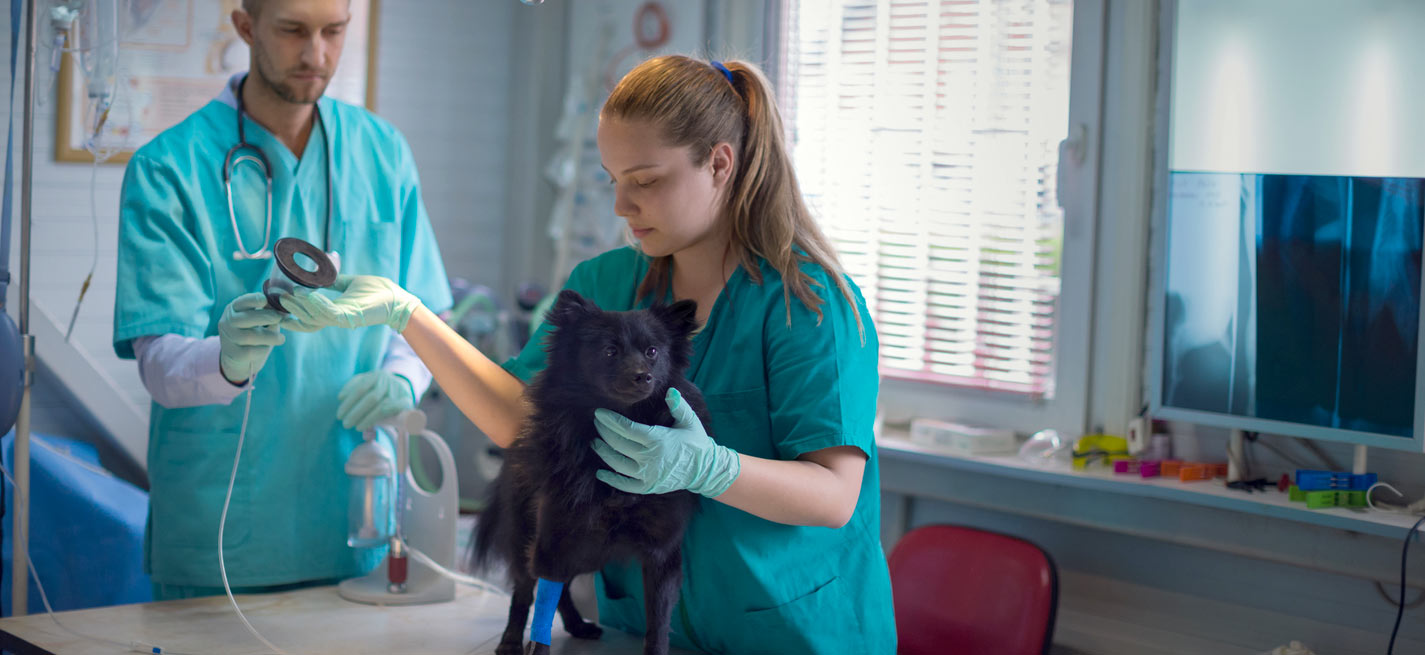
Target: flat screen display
(1294, 298)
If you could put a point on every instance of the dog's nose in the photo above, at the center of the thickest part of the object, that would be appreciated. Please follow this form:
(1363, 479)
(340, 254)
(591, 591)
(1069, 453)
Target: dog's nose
(642, 379)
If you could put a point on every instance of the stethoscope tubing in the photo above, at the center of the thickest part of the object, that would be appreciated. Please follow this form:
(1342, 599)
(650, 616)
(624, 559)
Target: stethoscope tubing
(243, 151)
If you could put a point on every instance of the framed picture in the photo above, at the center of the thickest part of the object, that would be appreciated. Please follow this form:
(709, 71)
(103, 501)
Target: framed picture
(174, 57)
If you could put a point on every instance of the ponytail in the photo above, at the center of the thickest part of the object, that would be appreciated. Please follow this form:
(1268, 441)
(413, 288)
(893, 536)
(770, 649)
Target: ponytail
(700, 105)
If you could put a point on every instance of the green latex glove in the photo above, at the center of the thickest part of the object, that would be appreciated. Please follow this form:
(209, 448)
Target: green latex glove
(372, 396)
(247, 331)
(294, 324)
(652, 459)
(364, 300)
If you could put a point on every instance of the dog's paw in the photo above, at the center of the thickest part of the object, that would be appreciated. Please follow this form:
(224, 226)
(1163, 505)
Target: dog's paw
(584, 630)
(509, 648)
(536, 648)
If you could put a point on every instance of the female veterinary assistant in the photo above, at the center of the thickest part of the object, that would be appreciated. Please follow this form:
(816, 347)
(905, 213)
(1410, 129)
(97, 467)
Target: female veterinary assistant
(785, 554)
(775, 392)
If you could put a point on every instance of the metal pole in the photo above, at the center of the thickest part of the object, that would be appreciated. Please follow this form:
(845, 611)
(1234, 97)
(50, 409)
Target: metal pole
(19, 575)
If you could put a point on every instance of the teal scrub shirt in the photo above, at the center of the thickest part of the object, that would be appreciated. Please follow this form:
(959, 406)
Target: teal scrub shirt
(288, 518)
(774, 391)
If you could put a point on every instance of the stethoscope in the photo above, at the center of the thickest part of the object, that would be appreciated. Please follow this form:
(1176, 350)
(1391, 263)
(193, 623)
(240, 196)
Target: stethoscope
(247, 152)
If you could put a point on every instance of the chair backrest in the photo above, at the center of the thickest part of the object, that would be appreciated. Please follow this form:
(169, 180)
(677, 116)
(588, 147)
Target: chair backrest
(963, 591)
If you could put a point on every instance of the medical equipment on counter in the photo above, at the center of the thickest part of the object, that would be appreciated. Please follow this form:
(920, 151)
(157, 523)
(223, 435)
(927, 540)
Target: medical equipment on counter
(1127, 466)
(371, 508)
(962, 440)
(1199, 471)
(1324, 499)
(1160, 446)
(289, 272)
(1046, 448)
(1100, 449)
(419, 521)
(1309, 480)
(1320, 489)
(243, 151)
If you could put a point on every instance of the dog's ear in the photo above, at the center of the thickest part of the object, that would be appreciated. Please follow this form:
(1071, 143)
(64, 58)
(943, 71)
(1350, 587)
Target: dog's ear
(569, 308)
(681, 317)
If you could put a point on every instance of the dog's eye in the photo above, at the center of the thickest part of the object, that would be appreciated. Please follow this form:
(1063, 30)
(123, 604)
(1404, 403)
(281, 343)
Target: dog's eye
(610, 351)
(651, 352)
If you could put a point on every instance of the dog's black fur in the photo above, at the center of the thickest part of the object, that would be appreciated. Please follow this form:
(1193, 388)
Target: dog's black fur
(548, 516)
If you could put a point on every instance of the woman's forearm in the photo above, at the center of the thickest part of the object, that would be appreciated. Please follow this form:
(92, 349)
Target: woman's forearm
(820, 489)
(486, 393)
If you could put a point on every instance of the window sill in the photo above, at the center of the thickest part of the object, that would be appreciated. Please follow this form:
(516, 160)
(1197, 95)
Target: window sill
(1213, 494)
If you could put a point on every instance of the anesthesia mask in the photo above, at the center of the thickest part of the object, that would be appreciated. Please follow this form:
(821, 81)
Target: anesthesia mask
(299, 264)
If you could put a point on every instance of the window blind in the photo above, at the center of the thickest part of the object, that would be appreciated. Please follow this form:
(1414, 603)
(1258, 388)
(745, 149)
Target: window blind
(925, 135)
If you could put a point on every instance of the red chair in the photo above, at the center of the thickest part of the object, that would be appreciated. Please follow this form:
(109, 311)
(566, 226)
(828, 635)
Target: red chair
(962, 591)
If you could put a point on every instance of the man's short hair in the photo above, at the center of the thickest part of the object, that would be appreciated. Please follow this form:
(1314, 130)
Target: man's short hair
(252, 6)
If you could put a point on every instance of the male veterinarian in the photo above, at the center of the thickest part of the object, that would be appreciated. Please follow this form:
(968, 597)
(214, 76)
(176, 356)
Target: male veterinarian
(192, 254)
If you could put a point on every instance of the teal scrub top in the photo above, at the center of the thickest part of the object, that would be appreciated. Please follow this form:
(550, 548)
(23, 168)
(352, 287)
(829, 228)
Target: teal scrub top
(176, 273)
(774, 391)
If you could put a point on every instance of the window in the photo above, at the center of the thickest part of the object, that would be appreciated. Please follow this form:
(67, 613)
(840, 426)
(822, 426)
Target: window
(926, 137)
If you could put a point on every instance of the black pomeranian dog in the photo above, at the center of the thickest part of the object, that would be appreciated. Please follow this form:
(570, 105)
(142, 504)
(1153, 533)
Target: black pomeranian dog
(548, 516)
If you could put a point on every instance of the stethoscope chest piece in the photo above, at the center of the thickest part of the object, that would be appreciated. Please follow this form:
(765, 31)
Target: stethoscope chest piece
(288, 272)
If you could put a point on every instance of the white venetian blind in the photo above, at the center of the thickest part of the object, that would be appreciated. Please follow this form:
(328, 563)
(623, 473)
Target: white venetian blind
(926, 140)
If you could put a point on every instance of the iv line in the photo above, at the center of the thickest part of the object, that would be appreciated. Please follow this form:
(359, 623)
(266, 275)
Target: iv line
(447, 573)
(223, 521)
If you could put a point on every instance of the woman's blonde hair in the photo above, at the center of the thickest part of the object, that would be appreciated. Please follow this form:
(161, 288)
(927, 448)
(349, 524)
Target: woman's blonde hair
(693, 103)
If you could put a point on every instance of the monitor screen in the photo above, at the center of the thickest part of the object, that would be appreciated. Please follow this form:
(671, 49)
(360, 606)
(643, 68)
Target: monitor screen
(1294, 298)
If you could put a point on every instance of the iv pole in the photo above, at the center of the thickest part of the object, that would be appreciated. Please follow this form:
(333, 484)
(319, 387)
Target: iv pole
(19, 574)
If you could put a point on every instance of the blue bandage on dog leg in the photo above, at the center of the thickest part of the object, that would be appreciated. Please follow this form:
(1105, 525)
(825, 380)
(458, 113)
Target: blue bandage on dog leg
(546, 598)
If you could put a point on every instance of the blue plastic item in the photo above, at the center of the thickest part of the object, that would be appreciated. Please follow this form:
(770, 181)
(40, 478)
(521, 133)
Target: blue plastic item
(86, 529)
(1334, 480)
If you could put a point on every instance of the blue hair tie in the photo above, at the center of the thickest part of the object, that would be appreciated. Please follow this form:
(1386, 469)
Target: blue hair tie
(725, 73)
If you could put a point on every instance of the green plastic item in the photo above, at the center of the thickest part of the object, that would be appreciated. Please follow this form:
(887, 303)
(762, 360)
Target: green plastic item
(1320, 499)
(1296, 494)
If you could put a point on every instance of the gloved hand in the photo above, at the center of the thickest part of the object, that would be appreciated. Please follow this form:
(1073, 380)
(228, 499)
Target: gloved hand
(364, 300)
(294, 324)
(372, 396)
(247, 331)
(652, 459)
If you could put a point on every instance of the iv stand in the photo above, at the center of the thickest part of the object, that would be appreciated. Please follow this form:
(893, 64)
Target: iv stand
(19, 574)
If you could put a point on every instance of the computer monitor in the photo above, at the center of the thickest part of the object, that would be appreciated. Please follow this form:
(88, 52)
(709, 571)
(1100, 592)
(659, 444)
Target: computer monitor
(1288, 207)
(1291, 304)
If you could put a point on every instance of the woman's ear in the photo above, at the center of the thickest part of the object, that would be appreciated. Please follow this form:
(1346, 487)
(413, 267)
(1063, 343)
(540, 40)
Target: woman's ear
(724, 162)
